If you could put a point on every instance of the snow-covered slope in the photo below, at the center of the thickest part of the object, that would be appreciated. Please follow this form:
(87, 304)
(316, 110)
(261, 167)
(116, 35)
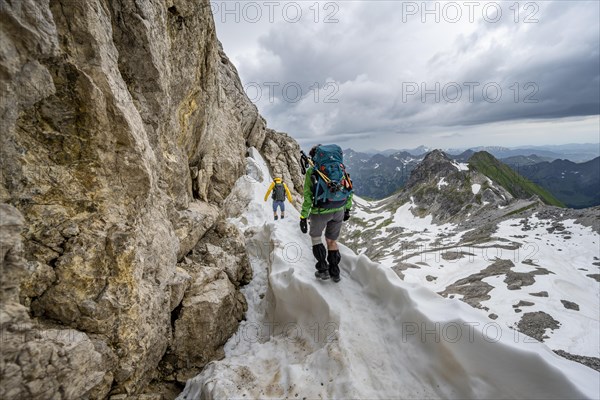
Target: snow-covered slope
(535, 274)
(369, 336)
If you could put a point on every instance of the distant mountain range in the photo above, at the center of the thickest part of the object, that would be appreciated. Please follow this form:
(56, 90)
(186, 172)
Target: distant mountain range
(576, 152)
(573, 184)
(417, 151)
(525, 160)
(378, 176)
(576, 155)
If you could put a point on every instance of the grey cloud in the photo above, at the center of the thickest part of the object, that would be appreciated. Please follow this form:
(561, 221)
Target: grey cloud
(370, 53)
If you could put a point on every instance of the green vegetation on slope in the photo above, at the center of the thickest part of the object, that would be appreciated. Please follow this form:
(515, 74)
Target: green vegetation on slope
(516, 184)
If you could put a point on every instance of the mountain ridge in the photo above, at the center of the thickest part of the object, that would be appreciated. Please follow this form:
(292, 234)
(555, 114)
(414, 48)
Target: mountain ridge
(576, 152)
(378, 176)
(516, 184)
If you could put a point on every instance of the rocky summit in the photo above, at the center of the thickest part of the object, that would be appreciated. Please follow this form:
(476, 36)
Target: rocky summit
(124, 129)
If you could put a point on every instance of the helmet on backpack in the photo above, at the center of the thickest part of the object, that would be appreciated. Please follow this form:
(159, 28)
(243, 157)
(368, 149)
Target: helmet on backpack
(313, 150)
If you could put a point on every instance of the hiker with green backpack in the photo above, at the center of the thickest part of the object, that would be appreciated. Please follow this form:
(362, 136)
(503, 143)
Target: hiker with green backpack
(327, 203)
(280, 192)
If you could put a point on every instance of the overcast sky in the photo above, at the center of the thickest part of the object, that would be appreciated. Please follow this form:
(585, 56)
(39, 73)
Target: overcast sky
(392, 74)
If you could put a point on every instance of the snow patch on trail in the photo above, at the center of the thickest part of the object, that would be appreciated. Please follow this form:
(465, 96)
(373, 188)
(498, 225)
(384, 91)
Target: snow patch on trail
(369, 336)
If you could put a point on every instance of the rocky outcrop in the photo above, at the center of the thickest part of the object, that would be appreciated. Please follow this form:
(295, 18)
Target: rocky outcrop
(448, 191)
(124, 128)
(41, 360)
(534, 324)
(282, 153)
(473, 289)
(592, 362)
(212, 306)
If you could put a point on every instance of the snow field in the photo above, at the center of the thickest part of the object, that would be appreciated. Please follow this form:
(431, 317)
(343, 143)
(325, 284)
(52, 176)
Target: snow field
(568, 255)
(369, 336)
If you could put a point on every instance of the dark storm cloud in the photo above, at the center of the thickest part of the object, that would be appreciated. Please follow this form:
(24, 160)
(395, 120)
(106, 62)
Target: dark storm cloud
(374, 56)
(557, 68)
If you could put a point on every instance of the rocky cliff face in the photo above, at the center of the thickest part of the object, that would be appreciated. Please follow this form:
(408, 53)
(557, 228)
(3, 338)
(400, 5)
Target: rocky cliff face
(124, 128)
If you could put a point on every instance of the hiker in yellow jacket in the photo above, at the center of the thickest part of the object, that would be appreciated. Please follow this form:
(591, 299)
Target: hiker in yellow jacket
(280, 192)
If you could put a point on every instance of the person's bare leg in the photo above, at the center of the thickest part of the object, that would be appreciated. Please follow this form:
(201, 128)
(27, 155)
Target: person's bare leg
(331, 244)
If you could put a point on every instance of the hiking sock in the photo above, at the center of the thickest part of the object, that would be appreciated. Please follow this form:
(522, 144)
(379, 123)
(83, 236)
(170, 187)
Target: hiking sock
(333, 260)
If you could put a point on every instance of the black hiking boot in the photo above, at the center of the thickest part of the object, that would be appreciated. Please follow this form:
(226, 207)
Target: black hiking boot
(275, 218)
(321, 255)
(282, 216)
(333, 261)
(322, 275)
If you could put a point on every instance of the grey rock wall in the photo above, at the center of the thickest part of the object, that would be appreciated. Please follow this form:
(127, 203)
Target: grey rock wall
(124, 128)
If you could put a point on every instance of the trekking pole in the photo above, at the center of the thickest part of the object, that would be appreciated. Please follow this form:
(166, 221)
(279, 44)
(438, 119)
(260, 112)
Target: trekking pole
(303, 162)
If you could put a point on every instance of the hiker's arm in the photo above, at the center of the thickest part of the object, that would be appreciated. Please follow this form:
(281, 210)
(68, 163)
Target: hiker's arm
(349, 202)
(287, 192)
(269, 191)
(308, 195)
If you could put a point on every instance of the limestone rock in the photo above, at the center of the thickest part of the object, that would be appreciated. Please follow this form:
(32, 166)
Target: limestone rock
(473, 288)
(192, 224)
(569, 305)
(224, 247)
(210, 313)
(13, 265)
(283, 155)
(124, 129)
(212, 305)
(42, 276)
(38, 362)
(534, 324)
(179, 284)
